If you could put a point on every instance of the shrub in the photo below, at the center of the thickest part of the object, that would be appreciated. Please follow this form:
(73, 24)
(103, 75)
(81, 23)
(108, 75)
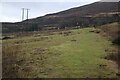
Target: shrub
(116, 40)
(112, 56)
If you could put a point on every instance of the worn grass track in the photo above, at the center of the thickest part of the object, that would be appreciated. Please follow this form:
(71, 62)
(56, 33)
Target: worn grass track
(66, 54)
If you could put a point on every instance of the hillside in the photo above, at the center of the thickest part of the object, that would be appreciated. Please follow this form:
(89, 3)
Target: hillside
(82, 11)
(94, 14)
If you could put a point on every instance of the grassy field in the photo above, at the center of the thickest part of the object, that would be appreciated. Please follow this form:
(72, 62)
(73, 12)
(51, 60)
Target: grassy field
(64, 54)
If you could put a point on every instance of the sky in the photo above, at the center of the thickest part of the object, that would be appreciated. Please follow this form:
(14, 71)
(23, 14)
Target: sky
(11, 10)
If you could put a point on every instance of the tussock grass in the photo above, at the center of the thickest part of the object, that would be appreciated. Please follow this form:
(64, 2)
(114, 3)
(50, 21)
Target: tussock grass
(63, 54)
(9, 61)
(112, 32)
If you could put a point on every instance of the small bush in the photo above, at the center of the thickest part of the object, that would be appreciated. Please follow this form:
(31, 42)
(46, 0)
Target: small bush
(112, 56)
(116, 40)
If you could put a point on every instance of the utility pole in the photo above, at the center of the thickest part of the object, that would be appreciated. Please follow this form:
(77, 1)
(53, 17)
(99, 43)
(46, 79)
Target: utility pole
(22, 14)
(23, 9)
(27, 13)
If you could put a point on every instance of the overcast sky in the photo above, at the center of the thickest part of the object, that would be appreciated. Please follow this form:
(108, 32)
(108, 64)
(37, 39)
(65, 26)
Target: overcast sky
(11, 10)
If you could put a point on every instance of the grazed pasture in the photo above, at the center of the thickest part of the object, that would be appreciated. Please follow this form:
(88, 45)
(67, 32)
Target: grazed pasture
(64, 54)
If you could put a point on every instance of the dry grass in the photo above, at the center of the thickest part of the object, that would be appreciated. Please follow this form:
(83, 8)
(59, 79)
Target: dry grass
(9, 61)
(57, 56)
(114, 55)
(111, 31)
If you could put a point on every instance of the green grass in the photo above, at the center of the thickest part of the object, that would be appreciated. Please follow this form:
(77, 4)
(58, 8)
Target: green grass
(76, 55)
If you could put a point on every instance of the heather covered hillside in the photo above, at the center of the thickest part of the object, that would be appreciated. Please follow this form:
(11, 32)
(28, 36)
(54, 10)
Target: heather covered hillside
(94, 14)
